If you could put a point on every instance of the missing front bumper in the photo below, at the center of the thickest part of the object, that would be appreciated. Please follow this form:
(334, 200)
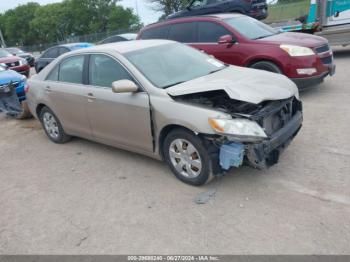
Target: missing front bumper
(267, 153)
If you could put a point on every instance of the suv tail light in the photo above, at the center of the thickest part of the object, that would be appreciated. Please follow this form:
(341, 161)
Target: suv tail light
(26, 88)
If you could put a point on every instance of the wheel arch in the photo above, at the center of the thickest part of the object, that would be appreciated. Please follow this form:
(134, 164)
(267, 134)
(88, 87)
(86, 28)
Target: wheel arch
(255, 60)
(38, 109)
(165, 131)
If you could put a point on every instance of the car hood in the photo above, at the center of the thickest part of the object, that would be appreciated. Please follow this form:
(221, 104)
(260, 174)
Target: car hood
(9, 59)
(8, 76)
(299, 39)
(244, 84)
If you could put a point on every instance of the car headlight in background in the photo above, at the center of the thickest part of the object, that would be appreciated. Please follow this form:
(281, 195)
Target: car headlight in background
(3, 65)
(241, 129)
(294, 50)
(23, 61)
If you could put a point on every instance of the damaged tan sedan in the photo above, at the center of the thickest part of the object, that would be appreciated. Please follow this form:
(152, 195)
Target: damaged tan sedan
(171, 102)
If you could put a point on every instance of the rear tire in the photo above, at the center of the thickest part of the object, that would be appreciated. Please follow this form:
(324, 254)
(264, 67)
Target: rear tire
(267, 66)
(187, 157)
(53, 127)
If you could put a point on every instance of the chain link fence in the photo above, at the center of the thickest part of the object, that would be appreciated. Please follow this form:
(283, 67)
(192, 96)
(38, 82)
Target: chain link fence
(287, 11)
(91, 38)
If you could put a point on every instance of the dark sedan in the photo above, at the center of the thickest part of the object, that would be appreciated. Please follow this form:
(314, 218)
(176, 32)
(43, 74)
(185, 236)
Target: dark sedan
(119, 38)
(53, 52)
(254, 8)
(20, 53)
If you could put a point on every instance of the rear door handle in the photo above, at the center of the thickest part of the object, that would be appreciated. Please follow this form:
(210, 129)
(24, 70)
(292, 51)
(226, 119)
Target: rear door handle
(48, 89)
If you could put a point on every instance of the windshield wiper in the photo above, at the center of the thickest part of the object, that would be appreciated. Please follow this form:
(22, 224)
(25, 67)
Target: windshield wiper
(216, 70)
(264, 36)
(174, 84)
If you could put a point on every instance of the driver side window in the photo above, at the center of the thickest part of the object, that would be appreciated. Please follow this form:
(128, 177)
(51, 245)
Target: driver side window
(104, 70)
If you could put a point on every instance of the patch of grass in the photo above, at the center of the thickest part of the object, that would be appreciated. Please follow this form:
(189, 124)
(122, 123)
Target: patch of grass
(290, 11)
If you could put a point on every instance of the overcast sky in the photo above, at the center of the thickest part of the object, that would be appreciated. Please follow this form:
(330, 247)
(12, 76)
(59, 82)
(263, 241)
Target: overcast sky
(144, 9)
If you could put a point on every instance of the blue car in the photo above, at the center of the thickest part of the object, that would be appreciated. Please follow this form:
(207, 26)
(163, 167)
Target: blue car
(7, 77)
(53, 52)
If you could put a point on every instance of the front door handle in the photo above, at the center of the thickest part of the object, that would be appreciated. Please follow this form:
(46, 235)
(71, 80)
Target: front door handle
(90, 96)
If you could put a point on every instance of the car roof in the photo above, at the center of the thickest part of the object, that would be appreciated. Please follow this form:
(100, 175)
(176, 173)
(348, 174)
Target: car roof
(125, 47)
(220, 16)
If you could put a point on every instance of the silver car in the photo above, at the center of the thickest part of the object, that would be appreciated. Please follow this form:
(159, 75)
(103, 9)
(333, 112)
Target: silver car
(168, 101)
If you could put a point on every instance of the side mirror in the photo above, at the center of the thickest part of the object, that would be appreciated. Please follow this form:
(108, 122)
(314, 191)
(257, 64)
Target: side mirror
(226, 39)
(124, 86)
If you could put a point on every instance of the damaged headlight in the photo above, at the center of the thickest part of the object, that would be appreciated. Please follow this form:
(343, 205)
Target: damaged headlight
(23, 62)
(242, 129)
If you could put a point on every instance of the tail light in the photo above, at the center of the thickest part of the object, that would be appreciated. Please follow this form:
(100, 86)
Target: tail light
(26, 88)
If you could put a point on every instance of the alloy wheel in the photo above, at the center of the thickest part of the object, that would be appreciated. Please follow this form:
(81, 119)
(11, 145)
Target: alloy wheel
(185, 158)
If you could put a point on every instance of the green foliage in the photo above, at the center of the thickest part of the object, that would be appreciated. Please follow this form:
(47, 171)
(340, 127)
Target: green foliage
(15, 23)
(34, 24)
(288, 10)
(168, 7)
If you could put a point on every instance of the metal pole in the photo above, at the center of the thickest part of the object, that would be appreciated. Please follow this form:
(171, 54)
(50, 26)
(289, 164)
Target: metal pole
(3, 44)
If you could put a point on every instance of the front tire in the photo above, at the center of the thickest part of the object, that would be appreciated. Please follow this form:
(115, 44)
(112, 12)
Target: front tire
(187, 158)
(53, 127)
(267, 66)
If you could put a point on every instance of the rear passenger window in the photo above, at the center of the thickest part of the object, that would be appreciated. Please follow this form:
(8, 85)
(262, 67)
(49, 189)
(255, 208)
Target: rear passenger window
(62, 50)
(209, 32)
(184, 32)
(155, 33)
(51, 53)
(71, 70)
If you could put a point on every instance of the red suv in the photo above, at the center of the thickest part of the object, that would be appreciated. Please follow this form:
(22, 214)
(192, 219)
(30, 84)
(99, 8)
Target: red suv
(15, 63)
(244, 41)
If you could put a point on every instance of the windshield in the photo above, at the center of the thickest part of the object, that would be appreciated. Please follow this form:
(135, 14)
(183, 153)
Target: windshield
(4, 53)
(250, 27)
(14, 50)
(171, 64)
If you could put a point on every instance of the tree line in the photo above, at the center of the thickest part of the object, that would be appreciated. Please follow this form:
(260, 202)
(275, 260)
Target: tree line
(32, 23)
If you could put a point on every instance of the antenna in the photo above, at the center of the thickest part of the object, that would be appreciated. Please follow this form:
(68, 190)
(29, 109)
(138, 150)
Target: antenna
(137, 7)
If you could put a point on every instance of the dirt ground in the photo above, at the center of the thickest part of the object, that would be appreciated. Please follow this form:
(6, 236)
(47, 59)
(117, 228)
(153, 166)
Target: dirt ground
(87, 198)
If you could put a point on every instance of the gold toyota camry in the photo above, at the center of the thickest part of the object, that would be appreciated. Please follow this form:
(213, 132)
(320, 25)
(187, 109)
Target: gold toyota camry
(170, 102)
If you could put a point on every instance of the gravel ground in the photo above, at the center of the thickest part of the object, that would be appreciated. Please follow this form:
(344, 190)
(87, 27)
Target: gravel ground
(87, 198)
